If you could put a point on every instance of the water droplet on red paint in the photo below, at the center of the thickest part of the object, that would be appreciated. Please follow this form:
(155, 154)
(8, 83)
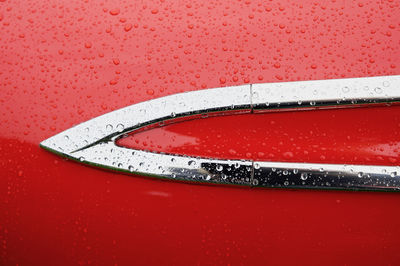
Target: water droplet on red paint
(277, 65)
(128, 27)
(114, 11)
(288, 155)
(232, 152)
(116, 61)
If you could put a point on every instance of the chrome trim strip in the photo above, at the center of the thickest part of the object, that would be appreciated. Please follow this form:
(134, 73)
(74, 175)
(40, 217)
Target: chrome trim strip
(322, 94)
(327, 176)
(93, 142)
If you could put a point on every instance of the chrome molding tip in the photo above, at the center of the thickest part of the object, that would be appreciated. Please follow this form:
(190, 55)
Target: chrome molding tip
(94, 142)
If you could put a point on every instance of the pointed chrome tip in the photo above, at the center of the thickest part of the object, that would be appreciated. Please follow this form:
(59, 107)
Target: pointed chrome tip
(50, 145)
(63, 143)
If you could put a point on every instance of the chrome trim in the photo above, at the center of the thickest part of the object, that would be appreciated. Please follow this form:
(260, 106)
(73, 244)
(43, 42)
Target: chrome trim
(323, 94)
(94, 141)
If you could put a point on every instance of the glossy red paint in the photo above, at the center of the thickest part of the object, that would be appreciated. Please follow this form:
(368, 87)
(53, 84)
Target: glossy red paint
(62, 63)
(344, 136)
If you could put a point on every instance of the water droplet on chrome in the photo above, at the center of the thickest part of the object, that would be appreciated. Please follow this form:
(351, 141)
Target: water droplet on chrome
(120, 127)
(303, 176)
(378, 90)
(109, 127)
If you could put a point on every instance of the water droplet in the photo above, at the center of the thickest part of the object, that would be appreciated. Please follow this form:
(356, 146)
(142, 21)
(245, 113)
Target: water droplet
(303, 176)
(285, 172)
(109, 127)
(346, 89)
(114, 11)
(127, 27)
(120, 127)
(378, 90)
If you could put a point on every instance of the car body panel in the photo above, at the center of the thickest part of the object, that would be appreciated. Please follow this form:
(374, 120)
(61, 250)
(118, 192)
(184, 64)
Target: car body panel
(64, 62)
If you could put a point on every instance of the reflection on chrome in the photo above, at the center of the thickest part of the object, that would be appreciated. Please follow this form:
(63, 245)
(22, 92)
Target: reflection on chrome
(94, 142)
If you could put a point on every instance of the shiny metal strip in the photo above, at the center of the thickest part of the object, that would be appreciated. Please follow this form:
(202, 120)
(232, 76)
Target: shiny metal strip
(322, 94)
(93, 142)
(326, 176)
(114, 157)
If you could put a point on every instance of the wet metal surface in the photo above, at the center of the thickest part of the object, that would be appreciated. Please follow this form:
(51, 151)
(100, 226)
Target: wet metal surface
(93, 142)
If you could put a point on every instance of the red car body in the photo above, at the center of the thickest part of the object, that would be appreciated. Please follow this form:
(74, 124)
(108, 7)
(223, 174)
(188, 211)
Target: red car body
(64, 62)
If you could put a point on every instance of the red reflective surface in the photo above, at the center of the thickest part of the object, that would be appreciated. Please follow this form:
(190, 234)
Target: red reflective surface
(62, 63)
(346, 136)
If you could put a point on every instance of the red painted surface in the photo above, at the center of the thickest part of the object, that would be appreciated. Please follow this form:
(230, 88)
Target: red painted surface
(63, 62)
(346, 136)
